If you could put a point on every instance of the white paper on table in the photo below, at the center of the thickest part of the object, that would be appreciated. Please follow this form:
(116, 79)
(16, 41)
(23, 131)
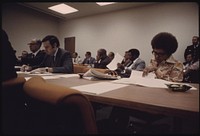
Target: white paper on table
(45, 77)
(113, 64)
(42, 74)
(21, 72)
(136, 73)
(98, 88)
(68, 75)
(148, 81)
(27, 78)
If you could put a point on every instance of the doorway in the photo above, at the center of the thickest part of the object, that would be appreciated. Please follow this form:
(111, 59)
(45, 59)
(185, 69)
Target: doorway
(70, 44)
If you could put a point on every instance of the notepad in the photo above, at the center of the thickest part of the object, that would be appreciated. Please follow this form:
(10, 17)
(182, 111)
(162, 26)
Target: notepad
(98, 88)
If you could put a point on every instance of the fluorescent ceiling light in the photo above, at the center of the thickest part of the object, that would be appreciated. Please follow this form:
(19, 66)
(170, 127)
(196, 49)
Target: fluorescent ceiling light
(63, 9)
(104, 3)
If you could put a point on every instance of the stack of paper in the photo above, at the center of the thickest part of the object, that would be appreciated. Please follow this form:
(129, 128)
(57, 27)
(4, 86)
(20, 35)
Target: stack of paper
(99, 75)
(148, 81)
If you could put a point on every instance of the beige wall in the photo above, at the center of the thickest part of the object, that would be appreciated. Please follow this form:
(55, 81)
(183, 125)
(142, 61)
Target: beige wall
(134, 28)
(22, 25)
(115, 31)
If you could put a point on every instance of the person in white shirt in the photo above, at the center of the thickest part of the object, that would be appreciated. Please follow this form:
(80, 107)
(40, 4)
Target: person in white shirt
(76, 59)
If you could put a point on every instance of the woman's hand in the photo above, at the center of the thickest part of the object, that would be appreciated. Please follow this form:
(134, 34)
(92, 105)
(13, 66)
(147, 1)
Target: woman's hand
(148, 70)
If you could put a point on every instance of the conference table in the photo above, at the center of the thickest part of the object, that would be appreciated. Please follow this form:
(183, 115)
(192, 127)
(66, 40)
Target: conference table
(179, 105)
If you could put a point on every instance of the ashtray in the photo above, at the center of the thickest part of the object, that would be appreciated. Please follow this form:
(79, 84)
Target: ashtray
(178, 87)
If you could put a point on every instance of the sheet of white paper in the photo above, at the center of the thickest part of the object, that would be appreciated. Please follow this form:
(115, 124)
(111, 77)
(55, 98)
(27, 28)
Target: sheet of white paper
(98, 88)
(113, 64)
(135, 73)
(20, 72)
(44, 74)
(45, 77)
(148, 81)
(68, 75)
(27, 78)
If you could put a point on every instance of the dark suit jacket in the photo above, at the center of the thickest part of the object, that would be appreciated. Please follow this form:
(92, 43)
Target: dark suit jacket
(8, 58)
(62, 64)
(34, 60)
(90, 60)
(103, 63)
(194, 51)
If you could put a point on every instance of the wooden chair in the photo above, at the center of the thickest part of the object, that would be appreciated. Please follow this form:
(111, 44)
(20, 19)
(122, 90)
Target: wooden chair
(56, 109)
(13, 107)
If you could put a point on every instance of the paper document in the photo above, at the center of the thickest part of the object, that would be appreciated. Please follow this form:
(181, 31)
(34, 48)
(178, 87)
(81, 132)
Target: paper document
(148, 81)
(99, 75)
(68, 75)
(113, 64)
(135, 73)
(98, 88)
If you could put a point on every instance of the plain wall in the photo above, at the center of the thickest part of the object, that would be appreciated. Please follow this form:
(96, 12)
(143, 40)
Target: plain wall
(115, 31)
(134, 28)
(23, 24)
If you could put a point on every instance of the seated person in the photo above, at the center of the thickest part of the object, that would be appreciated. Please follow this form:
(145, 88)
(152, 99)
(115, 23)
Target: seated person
(88, 58)
(23, 59)
(36, 56)
(56, 60)
(75, 58)
(194, 48)
(126, 62)
(7, 67)
(133, 63)
(102, 60)
(191, 72)
(188, 61)
(163, 63)
(111, 55)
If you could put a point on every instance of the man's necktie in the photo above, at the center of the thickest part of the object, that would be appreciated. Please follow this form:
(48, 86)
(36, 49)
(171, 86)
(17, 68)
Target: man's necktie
(53, 60)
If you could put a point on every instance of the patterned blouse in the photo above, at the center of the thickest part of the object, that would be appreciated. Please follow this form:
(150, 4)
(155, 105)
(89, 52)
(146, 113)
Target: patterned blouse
(170, 69)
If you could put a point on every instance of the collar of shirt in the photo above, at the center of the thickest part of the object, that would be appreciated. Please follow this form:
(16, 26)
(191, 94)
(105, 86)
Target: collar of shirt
(35, 53)
(171, 59)
(55, 53)
(135, 60)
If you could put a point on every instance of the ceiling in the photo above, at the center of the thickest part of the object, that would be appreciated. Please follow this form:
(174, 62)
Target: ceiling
(85, 8)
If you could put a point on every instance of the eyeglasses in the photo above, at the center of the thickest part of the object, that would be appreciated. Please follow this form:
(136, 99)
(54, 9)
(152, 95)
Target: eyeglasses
(158, 53)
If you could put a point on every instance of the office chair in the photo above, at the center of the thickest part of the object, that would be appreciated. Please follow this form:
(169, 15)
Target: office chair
(55, 109)
(13, 107)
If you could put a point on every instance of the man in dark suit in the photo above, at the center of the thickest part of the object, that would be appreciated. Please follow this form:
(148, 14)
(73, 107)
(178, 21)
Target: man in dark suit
(35, 57)
(194, 49)
(88, 58)
(102, 60)
(56, 60)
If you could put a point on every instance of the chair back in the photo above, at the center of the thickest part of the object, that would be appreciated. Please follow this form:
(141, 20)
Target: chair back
(63, 110)
(13, 105)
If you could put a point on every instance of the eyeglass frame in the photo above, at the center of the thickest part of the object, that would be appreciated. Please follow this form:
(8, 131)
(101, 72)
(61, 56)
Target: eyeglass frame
(158, 54)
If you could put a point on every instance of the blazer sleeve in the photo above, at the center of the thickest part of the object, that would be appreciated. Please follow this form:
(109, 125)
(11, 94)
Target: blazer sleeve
(141, 66)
